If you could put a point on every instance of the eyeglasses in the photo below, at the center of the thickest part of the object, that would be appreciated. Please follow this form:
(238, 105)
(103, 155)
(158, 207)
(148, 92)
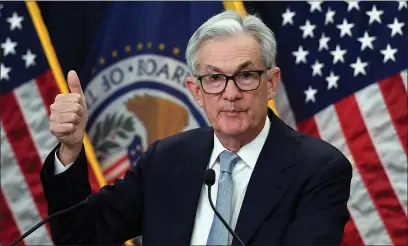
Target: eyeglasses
(244, 80)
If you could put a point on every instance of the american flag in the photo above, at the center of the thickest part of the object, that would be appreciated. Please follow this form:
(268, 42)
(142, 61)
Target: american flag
(344, 79)
(28, 88)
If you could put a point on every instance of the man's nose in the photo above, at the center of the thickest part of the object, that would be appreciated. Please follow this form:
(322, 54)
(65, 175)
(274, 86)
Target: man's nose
(231, 91)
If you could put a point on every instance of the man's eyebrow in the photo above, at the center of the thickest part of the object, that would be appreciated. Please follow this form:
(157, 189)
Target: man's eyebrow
(241, 66)
(214, 68)
(245, 65)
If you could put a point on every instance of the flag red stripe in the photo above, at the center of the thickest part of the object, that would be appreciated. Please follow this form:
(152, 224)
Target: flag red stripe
(48, 88)
(8, 227)
(116, 164)
(121, 174)
(351, 235)
(395, 98)
(24, 148)
(371, 170)
(308, 126)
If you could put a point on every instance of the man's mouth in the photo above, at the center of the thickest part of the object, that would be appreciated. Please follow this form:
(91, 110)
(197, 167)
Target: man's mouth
(232, 112)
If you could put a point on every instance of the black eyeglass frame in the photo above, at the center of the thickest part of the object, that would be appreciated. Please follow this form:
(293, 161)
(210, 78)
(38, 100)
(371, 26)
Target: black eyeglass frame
(232, 77)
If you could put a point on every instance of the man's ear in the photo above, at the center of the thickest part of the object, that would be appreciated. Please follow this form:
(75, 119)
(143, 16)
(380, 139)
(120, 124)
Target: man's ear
(272, 80)
(195, 90)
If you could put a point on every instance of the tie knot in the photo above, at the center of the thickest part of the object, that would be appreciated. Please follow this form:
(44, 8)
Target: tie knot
(228, 160)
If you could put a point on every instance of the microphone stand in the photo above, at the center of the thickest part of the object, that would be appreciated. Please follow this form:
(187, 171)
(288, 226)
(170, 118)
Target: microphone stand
(209, 182)
(45, 220)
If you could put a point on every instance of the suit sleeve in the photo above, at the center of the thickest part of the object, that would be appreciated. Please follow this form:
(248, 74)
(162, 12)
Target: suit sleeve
(112, 215)
(322, 209)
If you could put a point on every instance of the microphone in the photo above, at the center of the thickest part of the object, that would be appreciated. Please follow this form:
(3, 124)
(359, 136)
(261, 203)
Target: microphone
(209, 180)
(47, 219)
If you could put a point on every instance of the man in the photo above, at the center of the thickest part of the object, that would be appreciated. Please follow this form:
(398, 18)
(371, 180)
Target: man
(273, 185)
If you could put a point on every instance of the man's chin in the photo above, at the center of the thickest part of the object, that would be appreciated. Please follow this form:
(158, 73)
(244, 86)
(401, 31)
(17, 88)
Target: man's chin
(233, 128)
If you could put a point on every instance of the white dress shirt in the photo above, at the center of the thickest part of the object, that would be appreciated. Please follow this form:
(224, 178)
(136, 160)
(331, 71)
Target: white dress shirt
(59, 167)
(241, 174)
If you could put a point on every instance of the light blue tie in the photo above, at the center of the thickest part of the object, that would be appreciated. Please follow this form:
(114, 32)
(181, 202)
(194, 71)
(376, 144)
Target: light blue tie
(219, 234)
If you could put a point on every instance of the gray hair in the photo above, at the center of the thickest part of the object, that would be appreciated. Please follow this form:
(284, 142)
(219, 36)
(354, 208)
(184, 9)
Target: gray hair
(229, 23)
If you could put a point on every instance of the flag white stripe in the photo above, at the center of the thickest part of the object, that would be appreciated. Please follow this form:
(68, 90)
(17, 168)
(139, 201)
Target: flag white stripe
(283, 106)
(385, 139)
(362, 209)
(404, 75)
(17, 195)
(113, 174)
(36, 116)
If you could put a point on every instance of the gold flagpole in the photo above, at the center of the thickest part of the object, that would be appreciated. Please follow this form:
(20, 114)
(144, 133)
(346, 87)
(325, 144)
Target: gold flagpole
(45, 40)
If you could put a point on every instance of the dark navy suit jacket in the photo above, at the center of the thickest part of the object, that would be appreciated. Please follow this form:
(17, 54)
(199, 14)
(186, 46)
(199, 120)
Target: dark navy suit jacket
(297, 194)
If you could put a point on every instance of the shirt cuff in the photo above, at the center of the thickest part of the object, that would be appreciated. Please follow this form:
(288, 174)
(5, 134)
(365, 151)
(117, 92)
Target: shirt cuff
(59, 167)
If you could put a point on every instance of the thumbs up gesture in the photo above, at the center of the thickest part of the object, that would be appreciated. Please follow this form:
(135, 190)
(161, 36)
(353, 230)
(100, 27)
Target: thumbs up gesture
(68, 118)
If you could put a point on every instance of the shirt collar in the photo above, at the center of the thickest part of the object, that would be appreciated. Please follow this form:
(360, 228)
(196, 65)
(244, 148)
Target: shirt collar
(248, 153)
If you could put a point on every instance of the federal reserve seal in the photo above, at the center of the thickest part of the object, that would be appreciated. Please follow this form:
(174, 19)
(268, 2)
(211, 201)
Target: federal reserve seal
(135, 102)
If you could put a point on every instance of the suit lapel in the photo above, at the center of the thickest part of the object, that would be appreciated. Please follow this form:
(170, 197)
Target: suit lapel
(268, 182)
(187, 182)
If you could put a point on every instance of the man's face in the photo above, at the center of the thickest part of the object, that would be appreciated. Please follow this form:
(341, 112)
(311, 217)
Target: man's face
(234, 112)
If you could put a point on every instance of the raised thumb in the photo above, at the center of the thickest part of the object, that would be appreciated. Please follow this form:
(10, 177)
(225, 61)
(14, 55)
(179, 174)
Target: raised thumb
(73, 82)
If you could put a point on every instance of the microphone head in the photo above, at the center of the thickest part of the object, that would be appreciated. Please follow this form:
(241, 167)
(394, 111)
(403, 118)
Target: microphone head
(209, 177)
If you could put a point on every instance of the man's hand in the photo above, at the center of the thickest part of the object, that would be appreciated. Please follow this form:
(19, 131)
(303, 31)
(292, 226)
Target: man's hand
(69, 115)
